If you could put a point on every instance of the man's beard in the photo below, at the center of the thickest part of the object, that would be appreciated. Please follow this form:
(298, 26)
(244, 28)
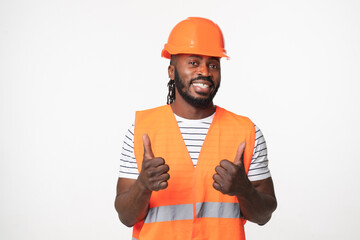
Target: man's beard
(193, 101)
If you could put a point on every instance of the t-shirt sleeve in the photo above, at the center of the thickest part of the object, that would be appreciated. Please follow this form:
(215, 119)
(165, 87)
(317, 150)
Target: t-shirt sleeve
(128, 165)
(259, 169)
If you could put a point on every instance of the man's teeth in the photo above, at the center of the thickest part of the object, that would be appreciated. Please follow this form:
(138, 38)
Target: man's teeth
(201, 85)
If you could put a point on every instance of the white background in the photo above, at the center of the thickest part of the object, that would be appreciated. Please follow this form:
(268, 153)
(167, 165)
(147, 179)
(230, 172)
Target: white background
(72, 73)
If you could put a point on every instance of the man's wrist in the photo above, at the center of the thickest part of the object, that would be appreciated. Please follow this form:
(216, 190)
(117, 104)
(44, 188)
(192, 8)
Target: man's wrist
(247, 193)
(141, 187)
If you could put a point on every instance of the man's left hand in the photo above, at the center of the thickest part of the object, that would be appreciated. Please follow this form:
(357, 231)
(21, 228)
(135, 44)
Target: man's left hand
(230, 177)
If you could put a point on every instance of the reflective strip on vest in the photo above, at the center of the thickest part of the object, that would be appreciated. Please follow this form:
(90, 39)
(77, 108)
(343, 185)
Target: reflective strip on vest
(218, 210)
(134, 238)
(170, 213)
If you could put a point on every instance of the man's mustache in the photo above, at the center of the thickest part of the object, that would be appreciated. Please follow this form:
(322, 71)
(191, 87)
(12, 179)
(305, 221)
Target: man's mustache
(208, 78)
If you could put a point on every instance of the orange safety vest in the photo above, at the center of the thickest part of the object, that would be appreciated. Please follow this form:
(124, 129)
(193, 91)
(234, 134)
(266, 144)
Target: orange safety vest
(190, 208)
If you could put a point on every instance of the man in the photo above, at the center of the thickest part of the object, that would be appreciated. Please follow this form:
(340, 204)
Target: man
(190, 169)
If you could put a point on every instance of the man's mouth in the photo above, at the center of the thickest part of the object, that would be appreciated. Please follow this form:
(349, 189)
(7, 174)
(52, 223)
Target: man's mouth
(201, 85)
(202, 82)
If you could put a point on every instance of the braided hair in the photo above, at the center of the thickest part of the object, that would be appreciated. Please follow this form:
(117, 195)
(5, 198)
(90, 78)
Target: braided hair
(171, 85)
(171, 93)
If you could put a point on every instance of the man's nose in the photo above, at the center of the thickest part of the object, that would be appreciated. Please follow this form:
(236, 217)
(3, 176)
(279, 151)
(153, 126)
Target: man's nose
(203, 70)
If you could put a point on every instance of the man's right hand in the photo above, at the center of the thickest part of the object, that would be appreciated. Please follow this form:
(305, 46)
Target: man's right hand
(154, 172)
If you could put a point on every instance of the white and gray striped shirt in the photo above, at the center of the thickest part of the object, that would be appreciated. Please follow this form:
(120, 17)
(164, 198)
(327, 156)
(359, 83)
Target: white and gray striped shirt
(194, 133)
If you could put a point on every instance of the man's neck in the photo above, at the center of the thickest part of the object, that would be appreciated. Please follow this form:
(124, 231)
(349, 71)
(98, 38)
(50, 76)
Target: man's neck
(185, 110)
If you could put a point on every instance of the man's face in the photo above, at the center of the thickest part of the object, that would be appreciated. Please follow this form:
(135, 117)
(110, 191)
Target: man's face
(197, 78)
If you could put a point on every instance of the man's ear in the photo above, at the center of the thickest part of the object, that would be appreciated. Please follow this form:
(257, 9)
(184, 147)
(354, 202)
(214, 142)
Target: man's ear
(171, 72)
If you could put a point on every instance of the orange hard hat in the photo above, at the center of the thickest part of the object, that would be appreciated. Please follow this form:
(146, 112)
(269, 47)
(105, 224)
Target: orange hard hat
(195, 35)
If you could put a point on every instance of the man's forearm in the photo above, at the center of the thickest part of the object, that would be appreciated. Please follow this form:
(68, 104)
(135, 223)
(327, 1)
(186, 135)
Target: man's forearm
(256, 206)
(132, 205)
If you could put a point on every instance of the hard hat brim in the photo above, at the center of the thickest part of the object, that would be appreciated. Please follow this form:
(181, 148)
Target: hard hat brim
(166, 52)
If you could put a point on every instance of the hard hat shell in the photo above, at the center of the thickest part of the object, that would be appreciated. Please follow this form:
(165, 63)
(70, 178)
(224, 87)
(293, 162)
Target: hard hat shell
(195, 35)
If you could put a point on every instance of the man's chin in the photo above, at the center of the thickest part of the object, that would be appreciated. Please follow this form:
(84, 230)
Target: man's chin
(199, 102)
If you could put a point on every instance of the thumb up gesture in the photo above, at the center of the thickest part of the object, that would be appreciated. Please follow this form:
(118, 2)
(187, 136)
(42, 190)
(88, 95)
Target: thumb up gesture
(230, 177)
(154, 172)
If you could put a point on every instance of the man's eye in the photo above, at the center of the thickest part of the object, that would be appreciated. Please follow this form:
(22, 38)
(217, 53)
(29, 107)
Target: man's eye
(213, 66)
(192, 63)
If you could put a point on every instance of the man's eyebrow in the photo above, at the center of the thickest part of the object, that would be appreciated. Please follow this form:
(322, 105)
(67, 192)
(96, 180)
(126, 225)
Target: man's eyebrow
(216, 59)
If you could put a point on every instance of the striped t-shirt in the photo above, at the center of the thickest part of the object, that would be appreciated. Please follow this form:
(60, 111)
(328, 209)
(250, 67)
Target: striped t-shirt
(194, 132)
